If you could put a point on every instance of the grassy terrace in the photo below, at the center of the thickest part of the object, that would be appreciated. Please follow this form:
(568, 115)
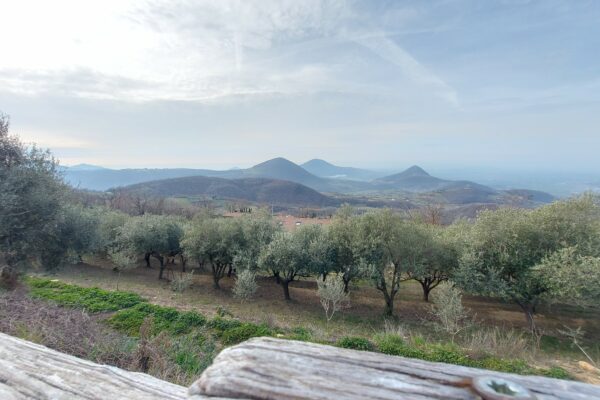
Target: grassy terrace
(187, 340)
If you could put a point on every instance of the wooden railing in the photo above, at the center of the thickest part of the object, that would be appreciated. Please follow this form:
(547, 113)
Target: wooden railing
(267, 368)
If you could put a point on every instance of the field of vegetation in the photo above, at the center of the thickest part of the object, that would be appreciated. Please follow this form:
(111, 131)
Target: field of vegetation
(512, 290)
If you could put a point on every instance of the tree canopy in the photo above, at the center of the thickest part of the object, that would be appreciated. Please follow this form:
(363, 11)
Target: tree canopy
(506, 247)
(31, 194)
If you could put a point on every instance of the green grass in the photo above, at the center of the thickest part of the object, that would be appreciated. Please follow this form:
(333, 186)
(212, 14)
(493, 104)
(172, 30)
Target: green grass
(168, 319)
(194, 340)
(355, 343)
(244, 332)
(451, 354)
(90, 299)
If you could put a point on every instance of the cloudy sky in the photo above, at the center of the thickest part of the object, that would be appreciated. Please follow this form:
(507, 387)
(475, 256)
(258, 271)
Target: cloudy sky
(382, 84)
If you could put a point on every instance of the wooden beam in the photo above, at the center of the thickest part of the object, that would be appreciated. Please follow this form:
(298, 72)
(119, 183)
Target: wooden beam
(31, 371)
(267, 368)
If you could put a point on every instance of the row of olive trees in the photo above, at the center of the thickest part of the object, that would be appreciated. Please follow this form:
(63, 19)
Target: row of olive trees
(382, 245)
(550, 254)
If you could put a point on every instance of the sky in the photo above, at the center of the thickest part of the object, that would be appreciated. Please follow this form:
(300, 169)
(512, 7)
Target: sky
(377, 84)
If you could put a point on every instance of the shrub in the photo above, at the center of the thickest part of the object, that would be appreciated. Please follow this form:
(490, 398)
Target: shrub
(300, 333)
(245, 285)
(181, 282)
(390, 344)
(355, 343)
(503, 365)
(556, 372)
(448, 309)
(221, 324)
(332, 294)
(165, 319)
(244, 332)
(506, 343)
(90, 299)
(447, 353)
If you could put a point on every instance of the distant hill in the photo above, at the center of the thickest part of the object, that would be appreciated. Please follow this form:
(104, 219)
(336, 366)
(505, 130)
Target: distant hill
(416, 179)
(259, 190)
(325, 169)
(281, 168)
(413, 180)
(84, 167)
(103, 179)
(277, 168)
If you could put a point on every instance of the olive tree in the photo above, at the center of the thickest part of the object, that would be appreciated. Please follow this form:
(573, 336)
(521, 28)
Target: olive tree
(257, 231)
(437, 255)
(214, 241)
(149, 235)
(571, 278)
(110, 224)
(390, 247)
(31, 193)
(344, 239)
(507, 246)
(293, 254)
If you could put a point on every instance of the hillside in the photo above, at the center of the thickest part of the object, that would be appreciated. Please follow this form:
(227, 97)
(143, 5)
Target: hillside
(277, 168)
(412, 180)
(325, 169)
(281, 168)
(416, 179)
(259, 190)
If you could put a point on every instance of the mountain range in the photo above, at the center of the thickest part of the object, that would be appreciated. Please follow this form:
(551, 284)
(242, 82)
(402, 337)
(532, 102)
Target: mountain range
(279, 180)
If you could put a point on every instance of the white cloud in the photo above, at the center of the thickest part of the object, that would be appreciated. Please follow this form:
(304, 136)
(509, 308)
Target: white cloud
(192, 50)
(387, 49)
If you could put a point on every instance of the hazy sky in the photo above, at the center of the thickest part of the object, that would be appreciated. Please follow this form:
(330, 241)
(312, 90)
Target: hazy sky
(367, 83)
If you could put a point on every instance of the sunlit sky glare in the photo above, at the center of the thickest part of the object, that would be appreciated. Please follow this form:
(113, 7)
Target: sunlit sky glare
(380, 84)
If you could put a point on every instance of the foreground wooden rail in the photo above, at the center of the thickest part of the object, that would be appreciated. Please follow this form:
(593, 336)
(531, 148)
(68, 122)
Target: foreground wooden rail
(263, 368)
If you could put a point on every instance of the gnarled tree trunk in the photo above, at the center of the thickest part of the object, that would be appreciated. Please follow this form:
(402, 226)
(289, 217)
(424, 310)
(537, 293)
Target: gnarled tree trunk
(285, 284)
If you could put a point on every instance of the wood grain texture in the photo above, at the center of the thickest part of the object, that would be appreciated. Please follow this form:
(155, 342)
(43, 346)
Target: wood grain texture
(267, 368)
(31, 371)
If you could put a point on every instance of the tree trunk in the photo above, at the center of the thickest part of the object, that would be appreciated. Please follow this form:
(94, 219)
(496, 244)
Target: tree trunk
(389, 306)
(389, 302)
(217, 274)
(286, 289)
(346, 283)
(529, 311)
(8, 277)
(162, 265)
(277, 278)
(147, 258)
(182, 258)
(426, 290)
(229, 271)
(216, 283)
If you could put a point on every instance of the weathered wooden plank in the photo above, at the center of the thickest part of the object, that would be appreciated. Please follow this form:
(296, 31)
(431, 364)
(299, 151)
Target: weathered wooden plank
(267, 368)
(31, 371)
